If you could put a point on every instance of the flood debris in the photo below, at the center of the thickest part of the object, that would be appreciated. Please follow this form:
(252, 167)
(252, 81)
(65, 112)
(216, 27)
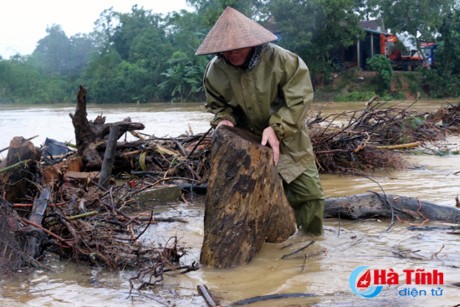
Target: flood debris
(269, 297)
(381, 205)
(100, 221)
(365, 140)
(298, 250)
(207, 296)
(164, 261)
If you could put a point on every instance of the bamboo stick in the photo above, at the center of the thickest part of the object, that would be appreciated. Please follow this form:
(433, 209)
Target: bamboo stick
(400, 146)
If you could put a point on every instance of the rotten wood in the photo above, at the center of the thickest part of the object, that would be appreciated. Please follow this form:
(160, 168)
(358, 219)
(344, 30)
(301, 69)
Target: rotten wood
(85, 136)
(376, 205)
(90, 135)
(109, 157)
(269, 297)
(245, 204)
(18, 174)
(204, 291)
(38, 211)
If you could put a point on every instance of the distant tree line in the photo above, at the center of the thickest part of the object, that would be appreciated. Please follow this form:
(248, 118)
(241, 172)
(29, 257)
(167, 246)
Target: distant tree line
(140, 56)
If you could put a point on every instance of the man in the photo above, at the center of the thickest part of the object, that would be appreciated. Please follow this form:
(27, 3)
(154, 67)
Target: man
(256, 85)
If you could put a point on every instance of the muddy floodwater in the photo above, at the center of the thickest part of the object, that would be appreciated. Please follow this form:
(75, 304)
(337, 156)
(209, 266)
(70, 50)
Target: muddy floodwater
(322, 273)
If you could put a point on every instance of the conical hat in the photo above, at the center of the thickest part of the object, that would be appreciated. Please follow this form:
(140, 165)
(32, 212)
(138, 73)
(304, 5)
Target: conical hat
(232, 31)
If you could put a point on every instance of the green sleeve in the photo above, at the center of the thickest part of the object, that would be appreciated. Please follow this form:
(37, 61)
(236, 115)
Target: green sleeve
(215, 102)
(297, 93)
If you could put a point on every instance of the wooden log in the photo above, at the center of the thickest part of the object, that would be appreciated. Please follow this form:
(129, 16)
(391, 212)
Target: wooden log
(19, 176)
(109, 157)
(85, 136)
(245, 203)
(34, 241)
(400, 146)
(90, 135)
(376, 205)
(82, 176)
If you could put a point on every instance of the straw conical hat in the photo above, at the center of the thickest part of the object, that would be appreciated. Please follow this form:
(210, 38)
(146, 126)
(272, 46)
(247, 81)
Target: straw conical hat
(232, 31)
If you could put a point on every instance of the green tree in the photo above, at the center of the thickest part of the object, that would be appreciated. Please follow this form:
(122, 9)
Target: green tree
(134, 80)
(133, 25)
(444, 81)
(22, 82)
(62, 59)
(151, 50)
(186, 33)
(209, 11)
(104, 30)
(52, 51)
(100, 77)
(315, 28)
(382, 65)
(83, 47)
(417, 17)
(137, 46)
(183, 78)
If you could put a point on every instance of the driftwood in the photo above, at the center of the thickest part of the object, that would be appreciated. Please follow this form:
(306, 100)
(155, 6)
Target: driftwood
(90, 134)
(21, 164)
(36, 217)
(375, 205)
(245, 202)
(109, 157)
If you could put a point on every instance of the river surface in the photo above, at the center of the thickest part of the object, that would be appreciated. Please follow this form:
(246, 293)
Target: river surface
(323, 269)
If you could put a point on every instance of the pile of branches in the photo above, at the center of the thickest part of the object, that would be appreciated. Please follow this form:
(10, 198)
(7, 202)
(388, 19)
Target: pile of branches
(360, 141)
(450, 118)
(180, 159)
(88, 223)
(13, 246)
(94, 229)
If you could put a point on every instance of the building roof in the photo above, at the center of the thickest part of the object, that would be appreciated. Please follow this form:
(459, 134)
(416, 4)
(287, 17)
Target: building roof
(374, 25)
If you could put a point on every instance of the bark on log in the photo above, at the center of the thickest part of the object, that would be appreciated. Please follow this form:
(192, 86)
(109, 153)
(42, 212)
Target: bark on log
(245, 203)
(109, 157)
(376, 205)
(19, 179)
(89, 135)
(38, 211)
(85, 136)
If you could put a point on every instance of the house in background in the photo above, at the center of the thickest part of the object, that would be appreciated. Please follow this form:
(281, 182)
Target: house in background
(401, 49)
(372, 44)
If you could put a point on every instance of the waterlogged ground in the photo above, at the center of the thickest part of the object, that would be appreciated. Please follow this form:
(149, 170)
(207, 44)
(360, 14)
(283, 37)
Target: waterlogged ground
(322, 270)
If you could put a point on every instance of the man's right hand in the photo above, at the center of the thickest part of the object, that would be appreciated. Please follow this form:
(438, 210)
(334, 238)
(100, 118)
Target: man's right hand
(225, 122)
(269, 137)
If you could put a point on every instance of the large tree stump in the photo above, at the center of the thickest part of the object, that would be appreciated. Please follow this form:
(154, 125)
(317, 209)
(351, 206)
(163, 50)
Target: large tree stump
(245, 201)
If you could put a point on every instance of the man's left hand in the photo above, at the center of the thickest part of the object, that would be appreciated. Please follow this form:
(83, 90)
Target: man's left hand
(269, 136)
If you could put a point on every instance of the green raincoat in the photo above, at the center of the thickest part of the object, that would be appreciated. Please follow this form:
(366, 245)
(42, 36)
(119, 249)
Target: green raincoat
(276, 92)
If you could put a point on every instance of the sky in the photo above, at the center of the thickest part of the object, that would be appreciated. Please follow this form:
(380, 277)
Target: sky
(23, 22)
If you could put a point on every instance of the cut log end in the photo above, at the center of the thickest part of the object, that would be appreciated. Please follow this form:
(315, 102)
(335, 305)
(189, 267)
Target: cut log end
(245, 201)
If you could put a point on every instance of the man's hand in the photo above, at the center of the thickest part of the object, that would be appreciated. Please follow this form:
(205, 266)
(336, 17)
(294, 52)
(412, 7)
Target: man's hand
(225, 122)
(269, 136)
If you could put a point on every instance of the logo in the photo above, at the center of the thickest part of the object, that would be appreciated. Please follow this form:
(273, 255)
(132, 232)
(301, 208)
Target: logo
(368, 283)
(363, 283)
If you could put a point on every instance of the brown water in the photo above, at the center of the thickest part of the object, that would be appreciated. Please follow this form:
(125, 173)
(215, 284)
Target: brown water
(323, 269)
